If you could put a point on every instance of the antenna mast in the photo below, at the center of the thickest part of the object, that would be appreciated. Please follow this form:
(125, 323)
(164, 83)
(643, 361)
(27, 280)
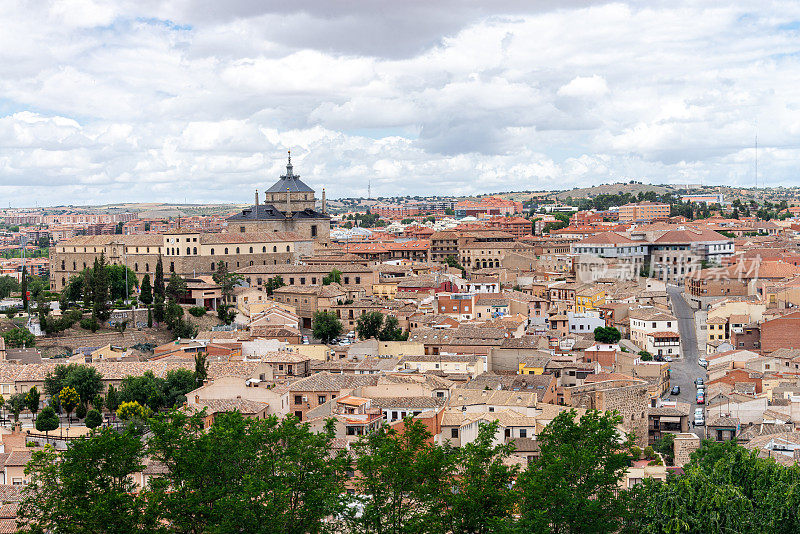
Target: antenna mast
(756, 161)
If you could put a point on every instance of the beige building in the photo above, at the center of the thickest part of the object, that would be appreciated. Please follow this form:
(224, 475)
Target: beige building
(186, 252)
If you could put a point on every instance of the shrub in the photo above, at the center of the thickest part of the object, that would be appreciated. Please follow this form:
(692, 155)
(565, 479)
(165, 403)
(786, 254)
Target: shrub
(90, 323)
(197, 311)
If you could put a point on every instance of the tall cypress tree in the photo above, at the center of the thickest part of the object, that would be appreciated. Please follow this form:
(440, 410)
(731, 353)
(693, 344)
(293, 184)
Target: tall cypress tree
(100, 310)
(146, 293)
(158, 292)
(158, 281)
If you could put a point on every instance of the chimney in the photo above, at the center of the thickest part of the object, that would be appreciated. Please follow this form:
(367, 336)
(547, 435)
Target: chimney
(323, 201)
(288, 204)
(256, 197)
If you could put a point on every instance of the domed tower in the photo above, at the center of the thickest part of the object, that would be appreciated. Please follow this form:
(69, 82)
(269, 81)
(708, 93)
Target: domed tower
(289, 206)
(289, 194)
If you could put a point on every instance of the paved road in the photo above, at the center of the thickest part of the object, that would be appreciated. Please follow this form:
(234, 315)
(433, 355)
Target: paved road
(685, 370)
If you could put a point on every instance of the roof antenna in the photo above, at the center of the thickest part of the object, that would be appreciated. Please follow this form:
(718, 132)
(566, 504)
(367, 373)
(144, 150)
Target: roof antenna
(289, 166)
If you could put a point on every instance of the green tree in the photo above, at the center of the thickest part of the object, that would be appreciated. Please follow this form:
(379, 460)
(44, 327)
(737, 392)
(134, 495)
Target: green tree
(112, 399)
(158, 281)
(47, 421)
(246, 475)
(101, 310)
(7, 286)
(87, 488)
(391, 330)
(609, 334)
(93, 419)
(72, 292)
(368, 325)
(573, 485)
(85, 380)
(149, 317)
(226, 280)
(177, 384)
(32, 399)
(145, 390)
(158, 309)
(115, 274)
(402, 485)
(146, 292)
(645, 356)
(200, 368)
(19, 337)
(176, 287)
(226, 313)
(68, 399)
(335, 276)
(16, 403)
(273, 283)
(482, 500)
(325, 326)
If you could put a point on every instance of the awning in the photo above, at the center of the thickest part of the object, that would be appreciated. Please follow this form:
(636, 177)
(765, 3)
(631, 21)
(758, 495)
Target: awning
(669, 419)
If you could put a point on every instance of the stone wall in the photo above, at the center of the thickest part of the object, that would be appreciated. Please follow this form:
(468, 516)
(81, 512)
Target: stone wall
(629, 398)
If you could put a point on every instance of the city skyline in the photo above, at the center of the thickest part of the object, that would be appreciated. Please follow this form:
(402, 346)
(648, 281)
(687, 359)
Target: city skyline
(180, 101)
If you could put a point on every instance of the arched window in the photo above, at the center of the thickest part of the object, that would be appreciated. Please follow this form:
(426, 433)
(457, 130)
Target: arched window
(188, 251)
(264, 249)
(274, 249)
(237, 250)
(63, 265)
(63, 281)
(147, 267)
(288, 248)
(136, 267)
(194, 250)
(212, 251)
(226, 250)
(212, 265)
(74, 267)
(172, 266)
(251, 262)
(251, 250)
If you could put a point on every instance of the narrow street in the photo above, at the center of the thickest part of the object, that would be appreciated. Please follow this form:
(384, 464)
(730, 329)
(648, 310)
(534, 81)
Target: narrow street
(684, 371)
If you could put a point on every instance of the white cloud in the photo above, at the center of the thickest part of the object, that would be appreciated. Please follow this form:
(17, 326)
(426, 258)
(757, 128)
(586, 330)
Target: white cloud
(584, 87)
(110, 101)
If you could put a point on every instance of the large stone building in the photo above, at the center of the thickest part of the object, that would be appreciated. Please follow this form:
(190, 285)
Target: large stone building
(188, 253)
(289, 206)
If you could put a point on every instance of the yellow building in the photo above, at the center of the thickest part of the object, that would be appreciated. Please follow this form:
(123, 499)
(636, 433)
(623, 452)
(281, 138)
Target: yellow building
(534, 365)
(385, 290)
(589, 298)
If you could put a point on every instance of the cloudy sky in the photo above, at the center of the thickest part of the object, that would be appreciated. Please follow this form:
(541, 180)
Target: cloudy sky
(200, 100)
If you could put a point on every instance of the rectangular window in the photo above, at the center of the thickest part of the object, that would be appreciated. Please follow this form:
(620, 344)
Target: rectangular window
(453, 432)
(298, 399)
(321, 399)
(523, 432)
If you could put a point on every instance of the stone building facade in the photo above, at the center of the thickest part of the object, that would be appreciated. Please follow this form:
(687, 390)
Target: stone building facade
(187, 253)
(289, 206)
(629, 398)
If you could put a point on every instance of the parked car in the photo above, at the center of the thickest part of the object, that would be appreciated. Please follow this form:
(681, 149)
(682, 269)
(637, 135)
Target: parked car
(676, 390)
(667, 358)
(702, 362)
(699, 420)
(701, 398)
(699, 382)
